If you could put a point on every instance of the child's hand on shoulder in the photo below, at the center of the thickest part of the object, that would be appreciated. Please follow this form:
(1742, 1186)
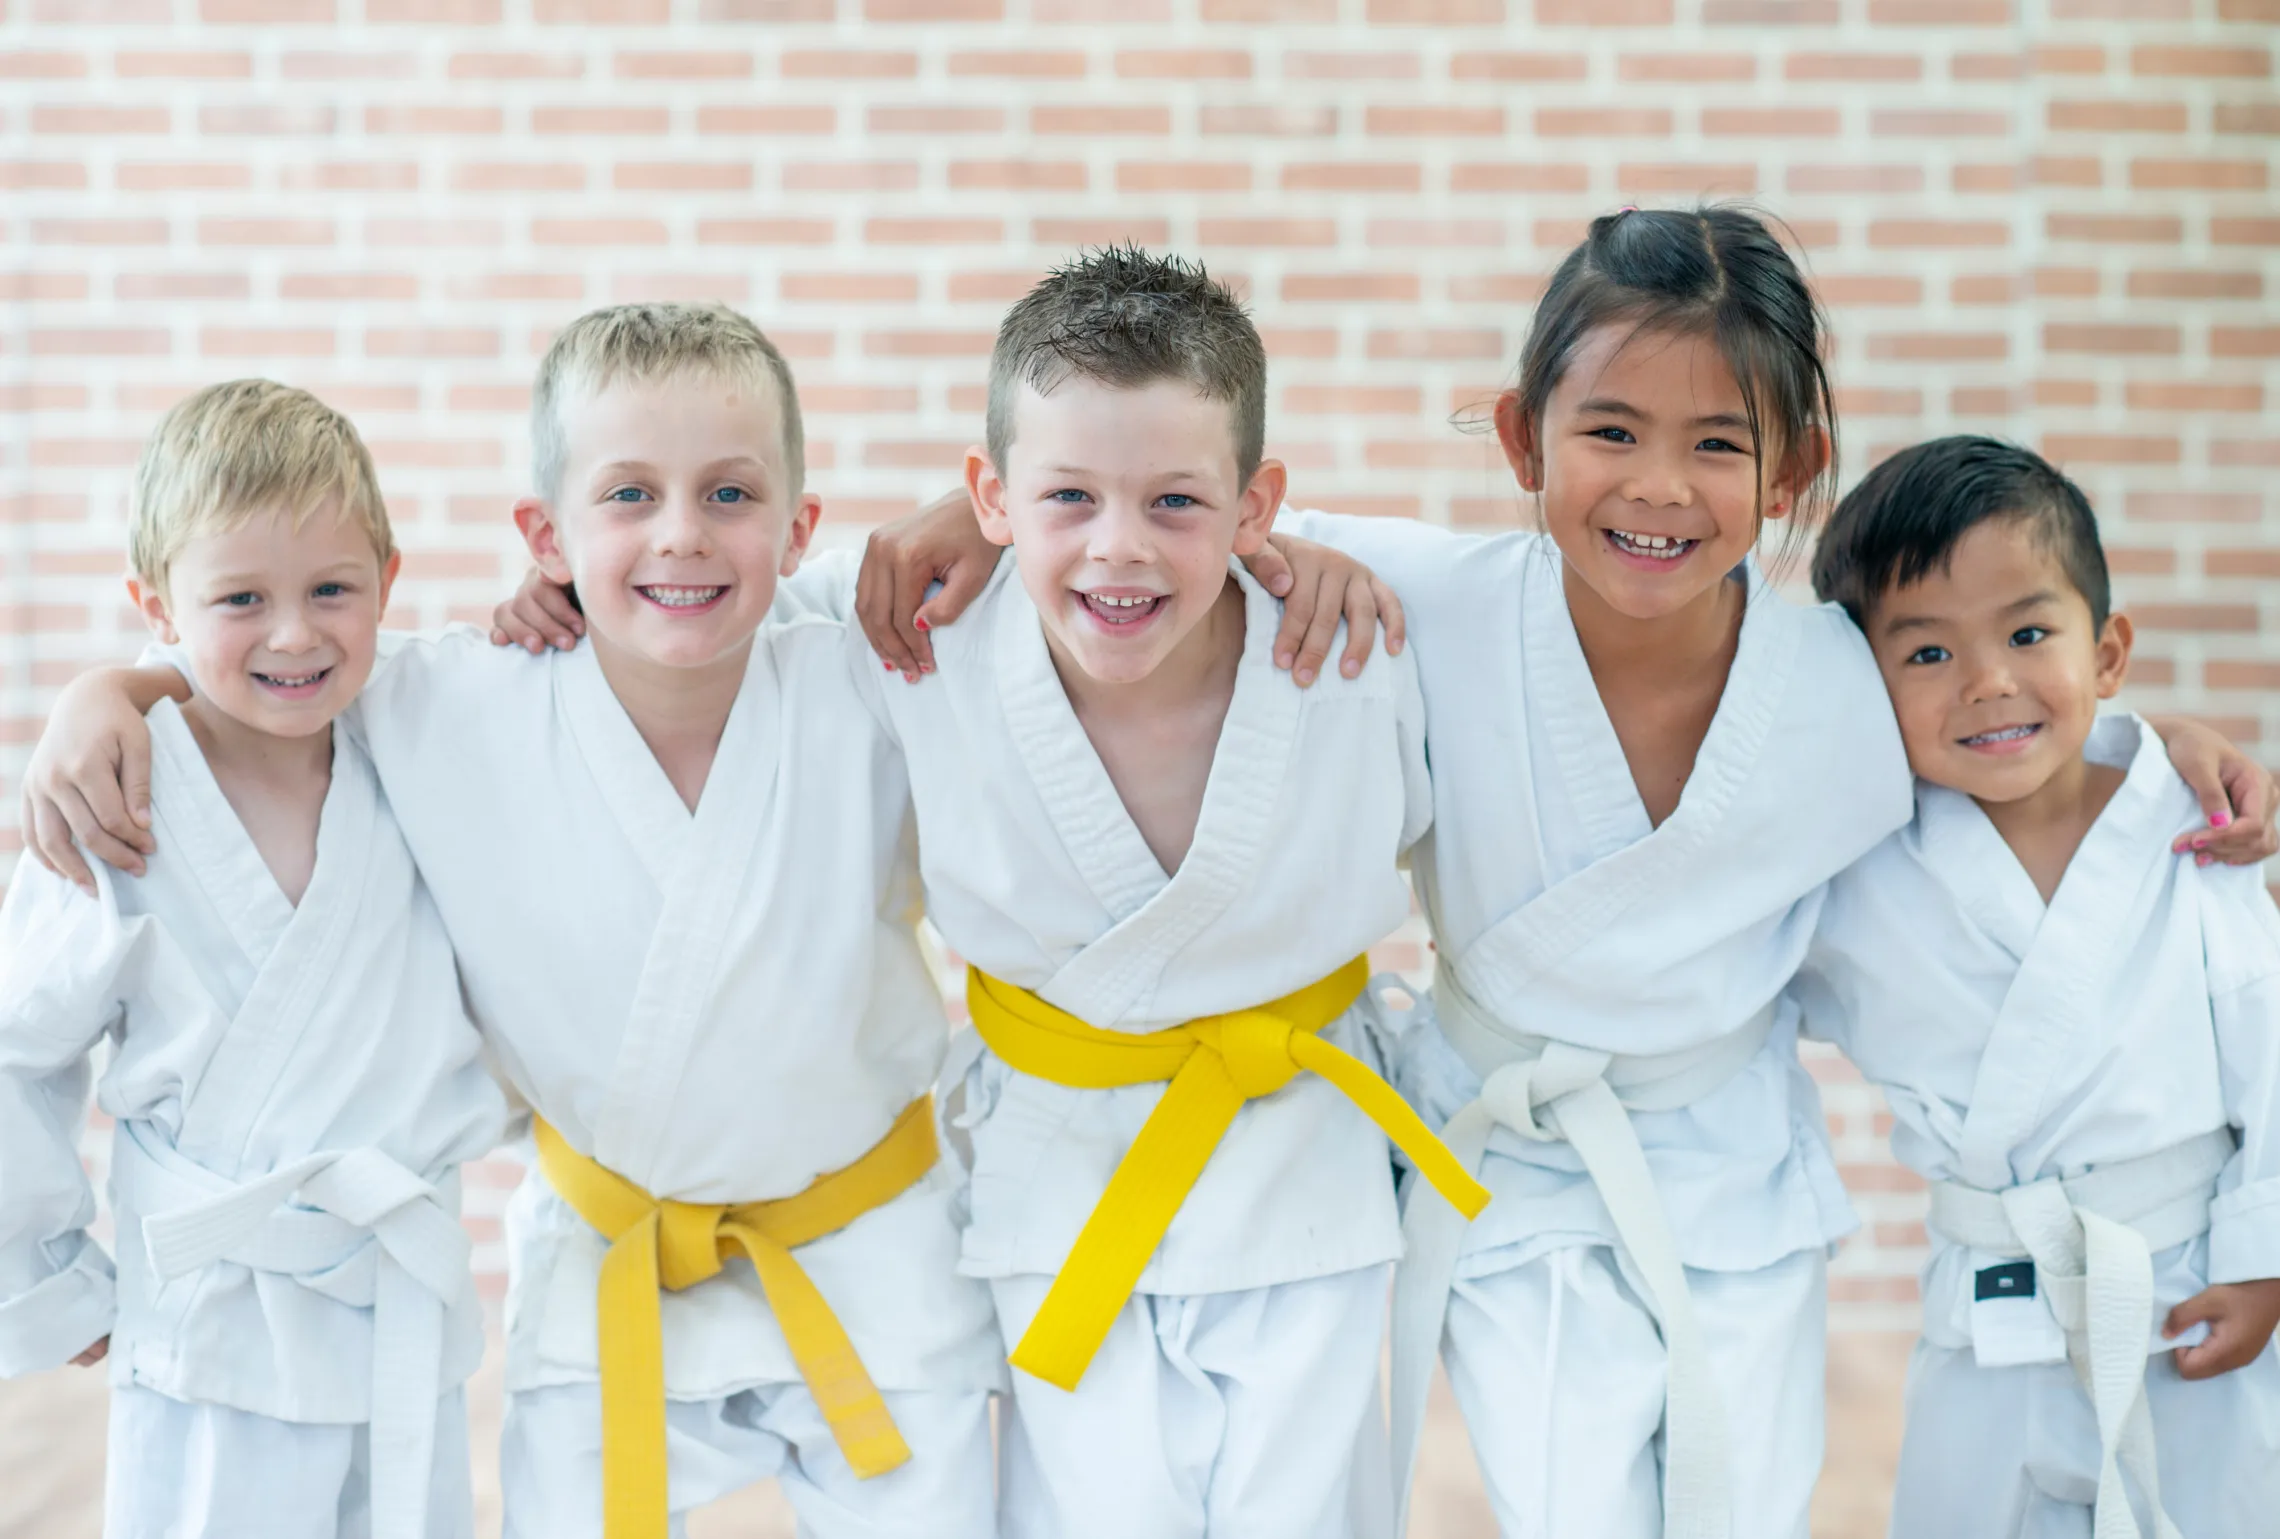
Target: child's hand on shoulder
(2240, 1317)
(1319, 587)
(541, 614)
(2238, 795)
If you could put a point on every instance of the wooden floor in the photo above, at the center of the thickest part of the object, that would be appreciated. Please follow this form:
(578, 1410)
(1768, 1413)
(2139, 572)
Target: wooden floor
(51, 1458)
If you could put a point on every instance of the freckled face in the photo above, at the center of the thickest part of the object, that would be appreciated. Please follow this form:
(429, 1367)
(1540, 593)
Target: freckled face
(1122, 507)
(281, 624)
(675, 516)
(1651, 482)
(1994, 667)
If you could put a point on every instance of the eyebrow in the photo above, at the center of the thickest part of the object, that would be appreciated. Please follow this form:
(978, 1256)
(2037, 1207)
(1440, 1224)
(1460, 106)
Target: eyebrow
(1926, 622)
(1607, 406)
(615, 468)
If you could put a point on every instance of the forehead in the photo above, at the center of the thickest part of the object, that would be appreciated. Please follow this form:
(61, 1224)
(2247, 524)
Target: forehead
(1081, 420)
(273, 539)
(687, 414)
(1996, 564)
(1684, 372)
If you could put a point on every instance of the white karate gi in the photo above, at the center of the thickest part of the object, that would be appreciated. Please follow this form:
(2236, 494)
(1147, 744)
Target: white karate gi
(2139, 1011)
(720, 1007)
(1575, 937)
(1235, 1387)
(294, 1089)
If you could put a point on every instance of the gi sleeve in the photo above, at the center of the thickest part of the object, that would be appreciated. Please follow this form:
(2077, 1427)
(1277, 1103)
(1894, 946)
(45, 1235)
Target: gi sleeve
(61, 954)
(1414, 558)
(2241, 932)
(824, 585)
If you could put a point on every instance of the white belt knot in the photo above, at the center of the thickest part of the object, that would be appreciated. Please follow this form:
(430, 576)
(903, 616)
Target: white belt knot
(2092, 1239)
(1551, 1091)
(365, 1232)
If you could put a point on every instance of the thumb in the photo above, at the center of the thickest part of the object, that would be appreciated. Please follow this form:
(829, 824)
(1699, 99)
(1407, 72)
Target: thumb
(1271, 571)
(134, 780)
(2201, 1307)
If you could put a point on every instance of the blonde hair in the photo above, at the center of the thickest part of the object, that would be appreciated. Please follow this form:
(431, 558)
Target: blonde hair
(651, 342)
(234, 451)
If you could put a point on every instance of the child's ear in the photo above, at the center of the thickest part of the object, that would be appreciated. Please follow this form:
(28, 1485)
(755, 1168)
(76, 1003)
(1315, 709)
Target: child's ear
(147, 598)
(1517, 431)
(1262, 499)
(544, 537)
(2114, 643)
(388, 570)
(801, 531)
(1801, 466)
(987, 491)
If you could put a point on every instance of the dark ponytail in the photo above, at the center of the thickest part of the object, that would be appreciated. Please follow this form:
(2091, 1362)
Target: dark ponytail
(1716, 272)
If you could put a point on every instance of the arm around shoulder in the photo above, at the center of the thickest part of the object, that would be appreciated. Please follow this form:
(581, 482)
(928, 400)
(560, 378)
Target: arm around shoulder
(2242, 936)
(88, 783)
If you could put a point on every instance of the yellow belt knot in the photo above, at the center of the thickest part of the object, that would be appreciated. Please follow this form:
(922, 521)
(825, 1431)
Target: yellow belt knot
(661, 1243)
(1210, 1068)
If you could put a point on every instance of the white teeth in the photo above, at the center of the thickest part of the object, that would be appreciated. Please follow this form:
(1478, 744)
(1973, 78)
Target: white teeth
(2006, 735)
(1107, 602)
(1661, 547)
(681, 598)
(296, 682)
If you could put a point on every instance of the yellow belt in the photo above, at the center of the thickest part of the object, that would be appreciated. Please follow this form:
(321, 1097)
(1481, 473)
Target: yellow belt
(676, 1245)
(1214, 1064)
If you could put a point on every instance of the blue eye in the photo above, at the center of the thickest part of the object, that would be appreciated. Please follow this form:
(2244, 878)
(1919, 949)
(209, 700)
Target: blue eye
(627, 494)
(1926, 655)
(1177, 500)
(331, 589)
(732, 494)
(241, 600)
(2028, 635)
(1067, 494)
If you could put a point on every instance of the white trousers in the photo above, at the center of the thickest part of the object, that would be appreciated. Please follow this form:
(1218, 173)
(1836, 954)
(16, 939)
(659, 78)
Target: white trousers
(550, 1463)
(2012, 1453)
(186, 1470)
(1559, 1371)
(1247, 1415)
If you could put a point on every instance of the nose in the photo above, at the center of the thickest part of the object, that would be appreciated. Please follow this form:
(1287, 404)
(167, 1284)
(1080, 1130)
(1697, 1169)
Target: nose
(1660, 481)
(680, 528)
(293, 630)
(1118, 536)
(1991, 678)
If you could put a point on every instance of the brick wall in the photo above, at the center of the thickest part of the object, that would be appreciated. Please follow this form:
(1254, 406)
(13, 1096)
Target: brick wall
(2050, 219)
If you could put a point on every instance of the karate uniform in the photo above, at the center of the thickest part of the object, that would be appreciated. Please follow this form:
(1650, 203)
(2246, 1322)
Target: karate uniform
(294, 1088)
(719, 1007)
(1611, 991)
(1235, 1387)
(2033, 1051)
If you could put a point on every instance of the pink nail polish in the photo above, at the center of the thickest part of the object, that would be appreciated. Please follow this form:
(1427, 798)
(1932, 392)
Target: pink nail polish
(920, 622)
(2220, 819)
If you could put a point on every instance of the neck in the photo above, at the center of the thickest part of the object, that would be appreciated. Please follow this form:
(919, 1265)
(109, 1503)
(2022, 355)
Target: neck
(2066, 804)
(679, 712)
(234, 750)
(1697, 636)
(1201, 667)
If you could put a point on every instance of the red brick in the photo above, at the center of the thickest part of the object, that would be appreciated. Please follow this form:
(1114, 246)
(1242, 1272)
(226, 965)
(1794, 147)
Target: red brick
(2112, 449)
(1603, 122)
(1435, 122)
(1365, 400)
(1931, 123)
(2196, 283)
(2165, 62)
(933, 232)
(69, 174)
(933, 10)
(265, 232)
(266, 342)
(1267, 232)
(1371, 64)
(710, 64)
(1773, 122)
(2244, 341)
(182, 64)
(1018, 64)
(1941, 346)
(100, 342)
(2116, 229)
(516, 66)
(42, 65)
(598, 232)
(848, 64)
(1603, 13)
(1712, 181)
(433, 13)
(2118, 117)
(1106, 231)
(2203, 175)
(1936, 234)
(1518, 176)
(1432, 13)
(1183, 176)
(107, 121)
(600, 120)
(1017, 176)
(2244, 232)
(454, 120)
(432, 342)
(335, 287)
(1302, 288)
(518, 176)
(2261, 119)
(851, 176)
(1267, 121)
(1268, 12)
(1184, 64)
(266, 13)
(1518, 66)
(789, 120)
(1853, 66)
(1686, 66)
(682, 176)
(1856, 179)
(929, 344)
(936, 120)
(1101, 120)
(764, 232)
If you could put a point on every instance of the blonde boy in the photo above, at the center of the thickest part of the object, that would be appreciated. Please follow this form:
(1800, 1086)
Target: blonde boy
(677, 866)
(294, 1081)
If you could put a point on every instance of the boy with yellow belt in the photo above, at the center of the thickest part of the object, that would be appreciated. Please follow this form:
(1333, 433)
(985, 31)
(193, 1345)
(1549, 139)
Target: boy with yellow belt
(677, 869)
(1164, 859)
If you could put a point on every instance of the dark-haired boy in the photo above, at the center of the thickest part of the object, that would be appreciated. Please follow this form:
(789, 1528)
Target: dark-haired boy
(2076, 1030)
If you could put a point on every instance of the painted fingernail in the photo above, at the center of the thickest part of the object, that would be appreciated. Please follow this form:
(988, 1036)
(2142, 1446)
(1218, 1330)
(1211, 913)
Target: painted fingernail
(920, 622)
(2220, 819)
(890, 667)
(2204, 858)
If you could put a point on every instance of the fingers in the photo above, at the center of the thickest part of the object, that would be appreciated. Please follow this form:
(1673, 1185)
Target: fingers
(27, 822)
(1271, 570)
(2183, 1317)
(50, 835)
(2222, 1352)
(559, 610)
(98, 838)
(1321, 631)
(1390, 616)
(875, 605)
(134, 781)
(1361, 624)
(1298, 614)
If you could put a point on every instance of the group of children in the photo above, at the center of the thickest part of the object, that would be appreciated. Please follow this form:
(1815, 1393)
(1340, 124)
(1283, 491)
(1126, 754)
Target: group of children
(781, 1222)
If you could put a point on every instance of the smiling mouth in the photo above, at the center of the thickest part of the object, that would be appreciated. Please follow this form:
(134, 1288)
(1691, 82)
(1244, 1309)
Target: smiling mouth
(292, 681)
(1127, 609)
(665, 596)
(1653, 547)
(2002, 736)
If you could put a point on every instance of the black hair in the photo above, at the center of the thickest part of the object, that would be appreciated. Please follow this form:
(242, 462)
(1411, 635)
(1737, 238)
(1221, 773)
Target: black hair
(1127, 317)
(1905, 518)
(1717, 271)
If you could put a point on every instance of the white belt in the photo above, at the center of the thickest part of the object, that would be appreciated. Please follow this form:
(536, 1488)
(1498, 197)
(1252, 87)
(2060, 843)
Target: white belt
(363, 1230)
(2092, 1239)
(1555, 1091)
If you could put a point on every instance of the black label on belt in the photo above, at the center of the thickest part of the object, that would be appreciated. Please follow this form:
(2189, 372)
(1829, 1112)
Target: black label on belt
(2011, 1280)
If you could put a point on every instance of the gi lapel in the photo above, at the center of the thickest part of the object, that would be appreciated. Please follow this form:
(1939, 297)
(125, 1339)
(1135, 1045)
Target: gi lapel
(700, 863)
(295, 950)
